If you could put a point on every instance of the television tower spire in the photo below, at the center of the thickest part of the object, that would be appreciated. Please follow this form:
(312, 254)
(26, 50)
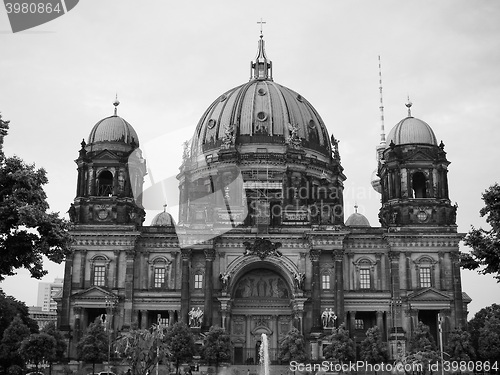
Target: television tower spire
(382, 128)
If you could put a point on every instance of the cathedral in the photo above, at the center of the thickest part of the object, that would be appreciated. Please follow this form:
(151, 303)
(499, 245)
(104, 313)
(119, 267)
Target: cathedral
(261, 244)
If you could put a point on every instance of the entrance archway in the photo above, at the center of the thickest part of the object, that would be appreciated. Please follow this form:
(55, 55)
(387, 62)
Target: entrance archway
(261, 303)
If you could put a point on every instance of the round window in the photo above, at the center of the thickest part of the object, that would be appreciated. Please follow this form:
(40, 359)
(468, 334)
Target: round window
(211, 123)
(261, 92)
(261, 116)
(422, 216)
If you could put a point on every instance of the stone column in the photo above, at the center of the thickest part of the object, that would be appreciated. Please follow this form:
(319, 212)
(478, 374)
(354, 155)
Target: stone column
(314, 254)
(129, 288)
(378, 283)
(117, 263)
(394, 257)
(338, 257)
(64, 317)
(208, 284)
(170, 317)
(458, 303)
(380, 322)
(77, 328)
(144, 270)
(248, 319)
(442, 284)
(352, 323)
(144, 319)
(186, 257)
(83, 261)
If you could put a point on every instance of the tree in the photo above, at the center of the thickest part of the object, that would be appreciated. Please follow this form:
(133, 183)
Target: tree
(217, 346)
(27, 230)
(342, 347)
(180, 343)
(60, 347)
(9, 309)
(423, 349)
(459, 346)
(38, 347)
(142, 348)
(12, 337)
(293, 347)
(485, 244)
(489, 340)
(373, 349)
(478, 322)
(93, 346)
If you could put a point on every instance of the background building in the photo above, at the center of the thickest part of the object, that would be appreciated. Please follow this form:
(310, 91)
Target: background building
(46, 294)
(261, 244)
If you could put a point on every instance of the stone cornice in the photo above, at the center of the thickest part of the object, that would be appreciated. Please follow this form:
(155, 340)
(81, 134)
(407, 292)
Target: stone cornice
(423, 240)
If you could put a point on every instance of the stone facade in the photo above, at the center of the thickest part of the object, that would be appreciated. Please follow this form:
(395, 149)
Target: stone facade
(261, 245)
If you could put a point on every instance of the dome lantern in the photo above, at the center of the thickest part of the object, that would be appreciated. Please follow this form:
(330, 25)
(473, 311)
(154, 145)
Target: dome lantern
(261, 68)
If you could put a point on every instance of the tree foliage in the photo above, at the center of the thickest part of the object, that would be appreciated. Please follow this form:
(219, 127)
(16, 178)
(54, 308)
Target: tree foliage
(9, 309)
(27, 230)
(459, 346)
(37, 348)
(489, 340)
(60, 348)
(180, 343)
(293, 347)
(217, 346)
(423, 349)
(485, 244)
(12, 337)
(373, 349)
(142, 349)
(477, 323)
(93, 346)
(342, 347)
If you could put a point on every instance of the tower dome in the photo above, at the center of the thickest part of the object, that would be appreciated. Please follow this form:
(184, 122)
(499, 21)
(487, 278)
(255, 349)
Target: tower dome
(113, 132)
(357, 220)
(412, 130)
(163, 219)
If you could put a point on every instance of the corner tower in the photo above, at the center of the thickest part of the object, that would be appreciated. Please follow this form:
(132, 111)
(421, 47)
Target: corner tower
(413, 177)
(110, 175)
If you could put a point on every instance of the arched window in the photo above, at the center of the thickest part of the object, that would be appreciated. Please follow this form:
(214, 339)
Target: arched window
(418, 185)
(99, 268)
(105, 183)
(425, 271)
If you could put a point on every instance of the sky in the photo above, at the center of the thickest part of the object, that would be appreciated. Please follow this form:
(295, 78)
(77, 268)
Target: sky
(168, 61)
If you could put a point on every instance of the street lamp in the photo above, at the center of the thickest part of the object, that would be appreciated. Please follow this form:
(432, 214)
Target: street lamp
(110, 304)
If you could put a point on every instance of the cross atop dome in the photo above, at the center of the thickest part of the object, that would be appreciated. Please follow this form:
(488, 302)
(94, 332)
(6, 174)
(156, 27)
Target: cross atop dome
(261, 23)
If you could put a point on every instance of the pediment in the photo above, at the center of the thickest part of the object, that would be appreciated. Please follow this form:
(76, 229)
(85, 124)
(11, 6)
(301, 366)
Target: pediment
(428, 294)
(95, 293)
(105, 155)
(419, 155)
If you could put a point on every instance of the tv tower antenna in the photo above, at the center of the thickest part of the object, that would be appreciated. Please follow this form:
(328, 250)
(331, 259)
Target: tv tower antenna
(382, 128)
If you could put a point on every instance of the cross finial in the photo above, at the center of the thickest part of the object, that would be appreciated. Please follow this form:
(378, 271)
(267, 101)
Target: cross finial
(165, 207)
(356, 207)
(261, 24)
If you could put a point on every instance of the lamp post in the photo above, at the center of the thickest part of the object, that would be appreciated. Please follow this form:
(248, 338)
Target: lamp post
(110, 304)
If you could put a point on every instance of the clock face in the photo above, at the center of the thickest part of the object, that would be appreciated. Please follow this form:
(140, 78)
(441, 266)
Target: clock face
(103, 214)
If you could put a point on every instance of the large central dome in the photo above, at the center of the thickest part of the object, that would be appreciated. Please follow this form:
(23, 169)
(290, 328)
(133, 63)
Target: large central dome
(261, 112)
